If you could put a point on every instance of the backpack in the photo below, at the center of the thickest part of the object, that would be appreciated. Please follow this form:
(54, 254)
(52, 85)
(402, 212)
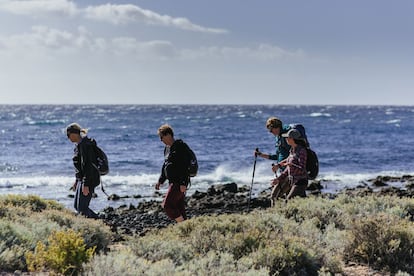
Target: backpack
(192, 162)
(312, 162)
(102, 164)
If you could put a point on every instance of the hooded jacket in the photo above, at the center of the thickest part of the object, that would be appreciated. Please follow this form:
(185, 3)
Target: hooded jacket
(84, 160)
(175, 167)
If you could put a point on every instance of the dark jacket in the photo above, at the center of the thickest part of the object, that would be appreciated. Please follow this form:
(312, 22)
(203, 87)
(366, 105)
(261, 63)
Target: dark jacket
(83, 159)
(175, 167)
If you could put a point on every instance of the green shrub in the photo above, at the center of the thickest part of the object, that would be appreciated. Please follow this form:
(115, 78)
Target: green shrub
(383, 241)
(154, 248)
(32, 202)
(21, 228)
(125, 262)
(14, 242)
(65, 253)
(94, 232)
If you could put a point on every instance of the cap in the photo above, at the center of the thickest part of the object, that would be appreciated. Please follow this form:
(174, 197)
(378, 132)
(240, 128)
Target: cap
(293, 133)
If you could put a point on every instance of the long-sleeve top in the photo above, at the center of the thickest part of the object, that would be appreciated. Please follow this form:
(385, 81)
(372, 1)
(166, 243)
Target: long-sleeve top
(175, 167)
(297, 165)
(282, 147)
(83, 161)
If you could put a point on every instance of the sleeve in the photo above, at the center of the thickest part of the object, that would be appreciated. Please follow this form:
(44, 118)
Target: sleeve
(176, 168)
(273, 156)
(302, 158)
(90, 173)
(163, 177)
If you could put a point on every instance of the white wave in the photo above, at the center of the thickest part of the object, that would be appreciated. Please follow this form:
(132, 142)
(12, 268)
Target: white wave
(395, 121)
(320, 114)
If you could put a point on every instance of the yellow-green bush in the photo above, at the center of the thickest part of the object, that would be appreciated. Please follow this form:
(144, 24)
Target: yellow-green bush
(32, 202)
(14, 241)
(65, 253)
(383, 241)
(257, 241)
(125, 262)
(23, 226)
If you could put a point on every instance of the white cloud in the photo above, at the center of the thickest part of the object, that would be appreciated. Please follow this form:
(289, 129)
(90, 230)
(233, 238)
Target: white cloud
(124, 14)
(38, 8)
(110, 13)
(48, 42)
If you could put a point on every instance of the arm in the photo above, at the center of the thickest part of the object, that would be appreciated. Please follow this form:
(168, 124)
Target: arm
(162, 178)
(176, 167)
(89, 172)
(266, 156)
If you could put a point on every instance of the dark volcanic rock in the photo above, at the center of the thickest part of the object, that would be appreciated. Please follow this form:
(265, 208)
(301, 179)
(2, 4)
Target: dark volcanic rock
(228, 199)
(219, 199)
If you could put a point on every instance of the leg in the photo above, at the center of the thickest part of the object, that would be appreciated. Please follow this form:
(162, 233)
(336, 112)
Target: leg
(280, 189)
(174, 204)
(274, 195)
(299, 189)
(82, 202)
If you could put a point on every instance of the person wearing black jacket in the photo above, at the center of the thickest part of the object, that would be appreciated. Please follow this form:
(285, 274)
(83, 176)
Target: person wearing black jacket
(87, 175)
(175, 169)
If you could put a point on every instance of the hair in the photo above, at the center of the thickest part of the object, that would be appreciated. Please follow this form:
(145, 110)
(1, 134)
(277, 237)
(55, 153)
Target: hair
(274, 123)
(165, 130)
(76, 128)
(300, 142)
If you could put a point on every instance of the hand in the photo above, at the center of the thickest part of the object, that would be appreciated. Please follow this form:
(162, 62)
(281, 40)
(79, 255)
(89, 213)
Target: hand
(274, 182)
(257, 153)
(157, 186)
(85, 190)
(275, 167)
(183, 188)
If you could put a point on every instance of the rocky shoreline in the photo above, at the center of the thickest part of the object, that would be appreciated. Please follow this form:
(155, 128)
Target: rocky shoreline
(229, 198)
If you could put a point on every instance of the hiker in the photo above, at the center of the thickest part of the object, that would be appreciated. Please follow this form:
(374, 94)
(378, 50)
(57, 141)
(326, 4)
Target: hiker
(87, 176)
(276, 127)
(175, 169)
(295, 165)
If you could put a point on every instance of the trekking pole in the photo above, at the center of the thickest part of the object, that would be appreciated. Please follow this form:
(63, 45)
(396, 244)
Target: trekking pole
(102, 187)
(251, 187)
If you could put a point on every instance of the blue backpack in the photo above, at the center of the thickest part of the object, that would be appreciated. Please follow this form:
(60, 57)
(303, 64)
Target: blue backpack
(312, 162)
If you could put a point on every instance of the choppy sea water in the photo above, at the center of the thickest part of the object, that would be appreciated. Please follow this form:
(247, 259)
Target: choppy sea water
(354, 144)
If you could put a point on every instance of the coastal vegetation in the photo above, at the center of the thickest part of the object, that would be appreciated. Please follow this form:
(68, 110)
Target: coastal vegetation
(312, 236)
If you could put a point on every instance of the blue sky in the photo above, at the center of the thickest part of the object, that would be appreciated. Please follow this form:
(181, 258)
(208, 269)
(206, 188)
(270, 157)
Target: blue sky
(207, 52)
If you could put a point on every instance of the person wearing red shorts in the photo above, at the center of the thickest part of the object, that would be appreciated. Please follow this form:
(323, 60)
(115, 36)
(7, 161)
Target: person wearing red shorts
(175, 169)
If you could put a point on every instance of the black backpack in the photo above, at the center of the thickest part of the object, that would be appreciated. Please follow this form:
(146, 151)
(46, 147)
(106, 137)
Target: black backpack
(102, 164)
(312, 162)
(193, 163)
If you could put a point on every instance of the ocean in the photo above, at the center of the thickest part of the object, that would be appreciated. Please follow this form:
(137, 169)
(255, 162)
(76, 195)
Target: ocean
(353, 143)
